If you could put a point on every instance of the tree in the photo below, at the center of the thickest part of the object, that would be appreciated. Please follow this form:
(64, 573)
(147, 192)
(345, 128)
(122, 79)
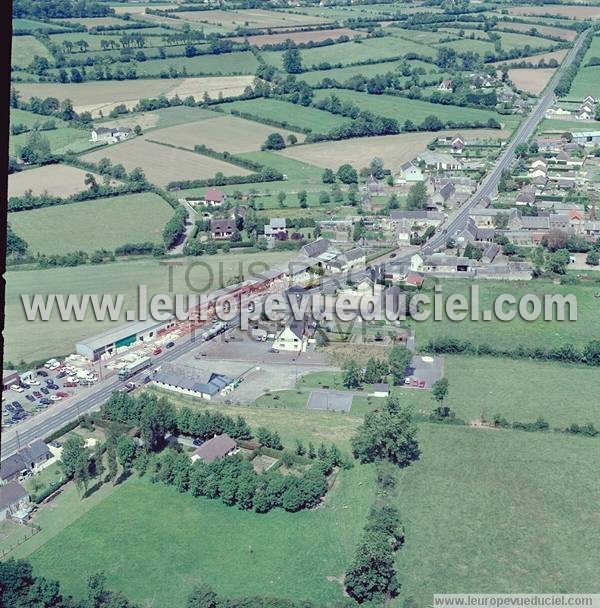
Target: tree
(292, 139)
(352, 374)
(439, 390)
(75, 461)
(417, 196)
(126, 450)
(292, 61)
(558, 261)
(281, 196)
(202, 596)
(399, 360)
(387, 434)
(376, 168)
(274, 141)
(328, 176)
(593, 258)
(347, 174)
(137, 130)
(302, 196)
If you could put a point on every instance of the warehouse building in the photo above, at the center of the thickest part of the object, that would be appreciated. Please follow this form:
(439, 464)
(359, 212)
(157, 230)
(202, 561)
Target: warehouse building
(123, 335)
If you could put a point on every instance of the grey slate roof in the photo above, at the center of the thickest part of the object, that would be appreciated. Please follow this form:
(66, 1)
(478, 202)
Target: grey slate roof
(214, 384)
(11, 494)
(217, 447)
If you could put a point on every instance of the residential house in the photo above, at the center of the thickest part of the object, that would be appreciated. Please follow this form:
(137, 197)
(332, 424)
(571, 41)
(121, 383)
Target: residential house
(410, 173)
(492, 218)
(216, 448)
(291, 338)
(445, 85)
(110, 135)
(13, 498)
(444, 194)
(381, 389)
(490, 251)
(223, 229)
(526, 196)
(316, 248)
(214, 198)
(373, 186)
(439, 161)
(347, 260)
(30, 458)
(419, 218)
(439, 263)
(414, 279)
(458, 144)
(276, 228)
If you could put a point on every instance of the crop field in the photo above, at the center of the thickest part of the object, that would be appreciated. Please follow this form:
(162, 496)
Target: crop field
(230, 63)
(222, 133)
(89, 225)
(393, 149)
(93, 21)
(253, 18)
(350, 52)
(24, 48)
(299, 37)
(558, 55)
(163, 164)
(31, 341)
(564, 10)
(510, 41)
(402, 108)
(342, 74)
(533, 81)
(61, 140)
(318, 121)
(544, 30)
(56, 180)
(96, 96)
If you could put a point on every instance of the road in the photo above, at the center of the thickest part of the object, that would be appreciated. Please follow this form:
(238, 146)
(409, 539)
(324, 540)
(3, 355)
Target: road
(43, 424)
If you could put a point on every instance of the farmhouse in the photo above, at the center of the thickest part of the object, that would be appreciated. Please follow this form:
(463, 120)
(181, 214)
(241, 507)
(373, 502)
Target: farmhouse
(223, 229)
(218, 447)
(110, 135)
(276, 228)
(108, 342)
(214, 198)
(13, 498)
(203, 388)
(30, 458)
(440, 263)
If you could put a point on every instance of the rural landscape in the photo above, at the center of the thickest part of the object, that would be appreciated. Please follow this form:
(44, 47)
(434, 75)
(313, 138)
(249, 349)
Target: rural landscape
(388, 155)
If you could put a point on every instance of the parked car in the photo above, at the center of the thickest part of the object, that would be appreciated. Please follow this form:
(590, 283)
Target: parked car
(197, 441)
(30, 397)
(16, 388)
(55, 398)
(170, 344)
(37, 394)
(34, 382)
(69, 384)
(157, 351)
(61, 374)
(414, 382)
(53, 386)
(45, 401)
(24, 385)
(41, 372)
(45, 390)
(422, 383)
(61, 394)
(49, 381)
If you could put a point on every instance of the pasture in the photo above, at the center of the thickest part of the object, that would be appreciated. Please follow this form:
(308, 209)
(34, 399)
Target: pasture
(56, 180)
(294, 115)
(24, 48)
(532, 81)
(61, 140)
(29, 119)
(534, 59)
(163, 164)
(393, 149)
(544, 30)
(563, 10)
(510, 41)
(223, 133)
(299, 37)
(105, 95)
(416, 110)
(31, 341)
(104, 223)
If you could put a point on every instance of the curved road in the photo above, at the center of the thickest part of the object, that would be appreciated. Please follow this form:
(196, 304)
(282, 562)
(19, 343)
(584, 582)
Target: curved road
(46, 422)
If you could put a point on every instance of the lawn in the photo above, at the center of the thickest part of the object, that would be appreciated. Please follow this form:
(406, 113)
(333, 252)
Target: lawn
(24, 48)
(294, 115)
(155, 544)
(104, 223)
(416, 110)
(32, 341)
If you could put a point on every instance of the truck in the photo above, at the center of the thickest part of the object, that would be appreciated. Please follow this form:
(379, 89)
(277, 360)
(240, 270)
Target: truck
(133, 368)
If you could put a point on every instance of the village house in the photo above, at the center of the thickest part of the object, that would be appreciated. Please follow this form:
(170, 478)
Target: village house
(445, 85)
(439, 263)
(439, 161)
(494, 218)
(347, 260)
(276, 228)
(291, 338)
(410, 173)
(13, 498)
(214, 198)
(110, 135)
(458, 144)
(444, 194)
(316, 248)
(220, 446)
(30, 458)
(472, 234)
(223, 229)
(526, 195)
(419, 218)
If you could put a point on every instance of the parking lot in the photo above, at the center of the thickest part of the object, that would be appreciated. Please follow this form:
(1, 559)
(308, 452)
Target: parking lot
(425, 371)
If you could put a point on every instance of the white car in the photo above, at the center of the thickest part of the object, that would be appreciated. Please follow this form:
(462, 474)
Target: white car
(54, 398)
(16, 388)
(34, 382)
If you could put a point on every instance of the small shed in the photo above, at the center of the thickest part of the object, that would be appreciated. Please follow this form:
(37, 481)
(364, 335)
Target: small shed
(381, 389)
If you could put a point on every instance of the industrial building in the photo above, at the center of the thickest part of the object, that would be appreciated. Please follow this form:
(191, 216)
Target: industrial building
(123, 335)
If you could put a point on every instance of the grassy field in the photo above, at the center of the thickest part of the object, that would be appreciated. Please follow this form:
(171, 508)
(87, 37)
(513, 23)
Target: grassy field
(351, 52)
(393, 149)
(57, 180)
(402, 108)
(586, 81)
(532, 81)
(61, 140)
(300, 37)
(510, 41)
(560, 126)
(24, 48)
(163, 164)
(222, 133)
(544, 30)
(104, 223)
(296, 115)
(545, 334)
(41, 340)
(29, 119)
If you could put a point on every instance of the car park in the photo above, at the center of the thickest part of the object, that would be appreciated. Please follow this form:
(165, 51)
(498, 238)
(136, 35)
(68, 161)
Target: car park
(45, 401)
(16, 404)
(55, 398)
(24, 385)
(37, 394)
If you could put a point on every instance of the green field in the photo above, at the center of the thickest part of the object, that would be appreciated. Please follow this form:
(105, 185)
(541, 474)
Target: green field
(61, 140)
(31, 341)
(402, 108)
(354, 51)
(296, 115)
(104, 223)
(463, 45)
(29, 119)
(587, 81)
(511, 40)
(562, 125)
(24, 48)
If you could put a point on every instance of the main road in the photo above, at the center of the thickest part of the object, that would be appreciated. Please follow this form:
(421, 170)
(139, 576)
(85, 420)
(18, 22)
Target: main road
(46, 422)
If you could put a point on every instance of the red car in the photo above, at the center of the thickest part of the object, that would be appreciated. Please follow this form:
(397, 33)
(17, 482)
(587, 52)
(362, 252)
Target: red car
(70, 384)
(157, 351)
(37, 394)
(422, 383)
(61, 394)
(414, 382)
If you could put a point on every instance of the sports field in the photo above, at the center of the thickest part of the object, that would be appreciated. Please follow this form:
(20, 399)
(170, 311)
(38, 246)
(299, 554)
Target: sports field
(402, 108)
(163, 164)
(31, 341)
(95, 96)
(393, 149)
(293, 114)
(104, 223)
(223, 133)
(57, 180)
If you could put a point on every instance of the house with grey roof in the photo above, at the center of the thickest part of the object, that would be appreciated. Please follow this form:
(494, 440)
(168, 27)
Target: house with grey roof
(440, 263)
(347, 260)
(216, 448)
(30, 458)
(409, 173)
(13, 498)
(316, 248)
(196, 385)
(292, 337)
(276, 228)
(439, 161)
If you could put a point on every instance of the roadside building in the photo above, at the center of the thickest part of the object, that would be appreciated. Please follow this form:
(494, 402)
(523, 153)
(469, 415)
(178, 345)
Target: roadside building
(291, 338)
(203, 386)
(9, 377)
